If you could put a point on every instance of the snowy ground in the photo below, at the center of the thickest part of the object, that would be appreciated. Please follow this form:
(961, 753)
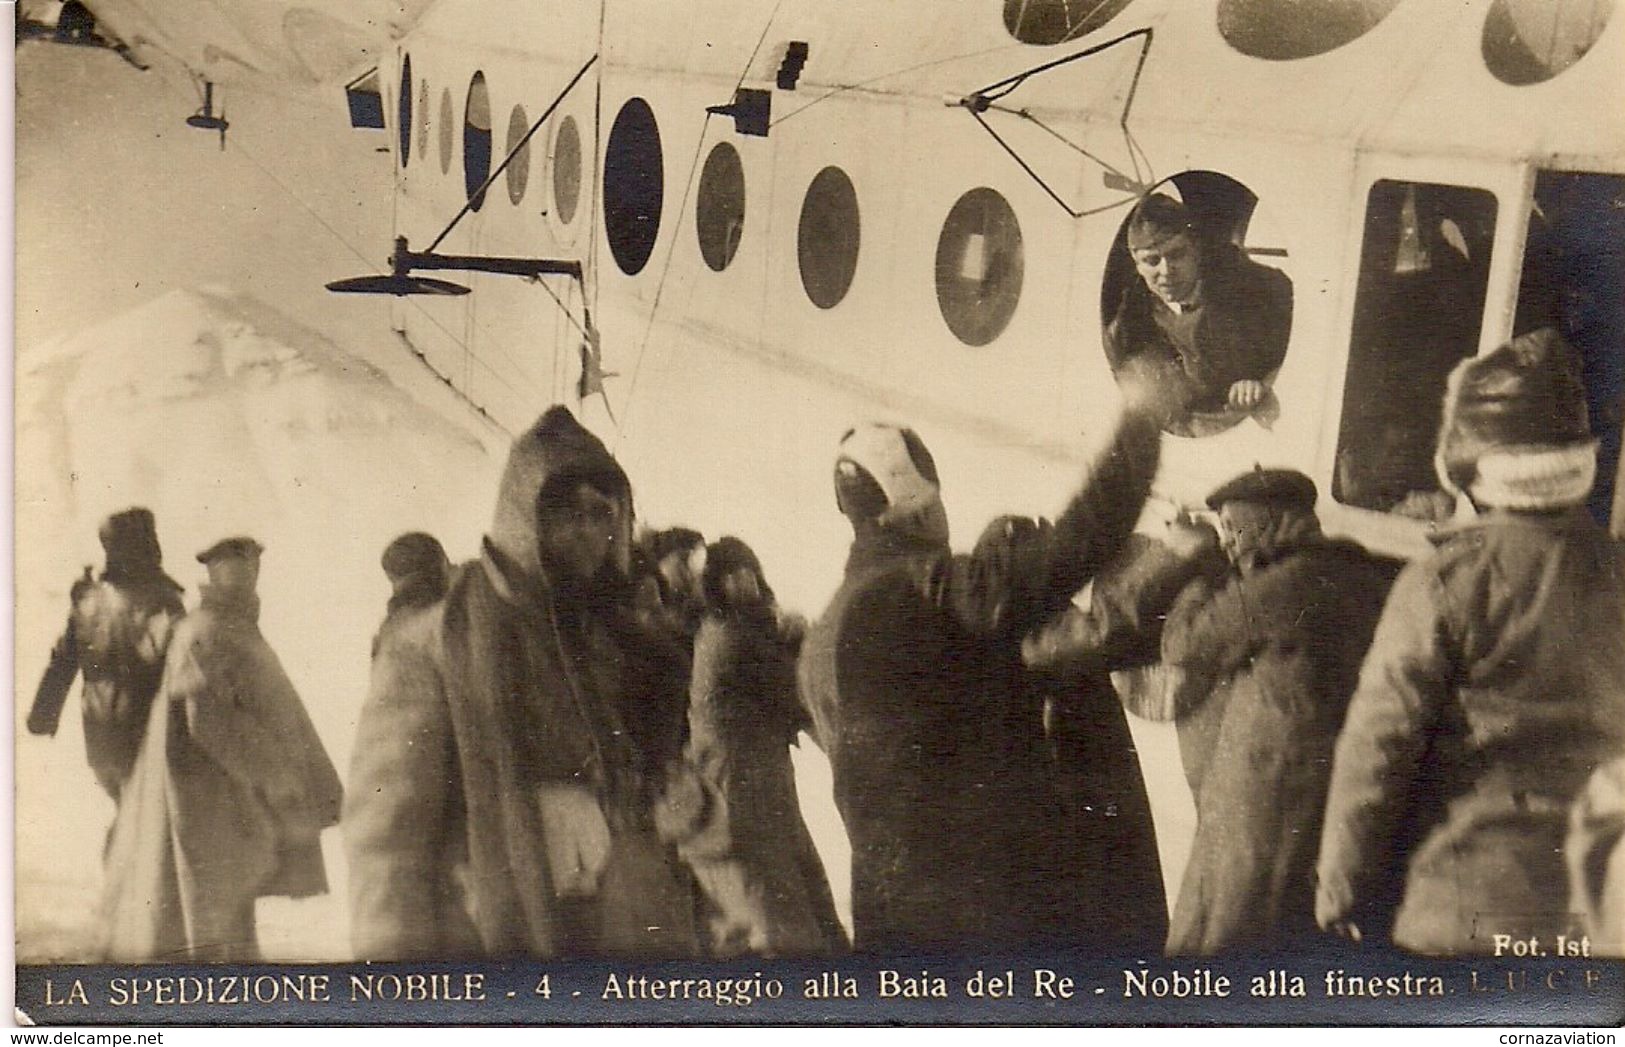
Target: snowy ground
(153, 369)
(159, 363)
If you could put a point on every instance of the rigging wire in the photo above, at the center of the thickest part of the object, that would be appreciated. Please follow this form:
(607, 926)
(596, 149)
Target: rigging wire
(461, 343)
(982, 100)
(901, 71)
(1072, 32)
(540, 282)
(478, 194)
(682, 209)
(1000, 88)
(660, 287)
(594, 198)
(1047, 129)
(760, 40)
(1036, 177)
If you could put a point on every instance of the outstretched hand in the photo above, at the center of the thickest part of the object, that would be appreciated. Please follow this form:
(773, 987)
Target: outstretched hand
(1190, 538)
(1143, 395)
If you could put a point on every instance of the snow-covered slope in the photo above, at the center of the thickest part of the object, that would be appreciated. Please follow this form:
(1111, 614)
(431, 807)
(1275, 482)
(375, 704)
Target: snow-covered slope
(223, 416)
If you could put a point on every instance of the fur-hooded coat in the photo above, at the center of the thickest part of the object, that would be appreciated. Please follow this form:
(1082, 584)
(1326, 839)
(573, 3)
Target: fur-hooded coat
(507, 762)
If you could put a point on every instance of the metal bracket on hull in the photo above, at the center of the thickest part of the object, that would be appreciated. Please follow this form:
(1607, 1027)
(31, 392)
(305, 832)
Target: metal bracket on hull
(402, 282)
(402, 279)
(206, 119)
(981, 101)
(405, 261)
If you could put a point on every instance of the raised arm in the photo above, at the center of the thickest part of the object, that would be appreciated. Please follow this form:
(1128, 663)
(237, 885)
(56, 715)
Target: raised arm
(1024, 572)
(1101, 515)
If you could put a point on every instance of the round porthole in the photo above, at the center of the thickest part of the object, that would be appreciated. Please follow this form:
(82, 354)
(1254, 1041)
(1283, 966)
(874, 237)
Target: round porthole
(1286, 29)
(1190, 308)
(476, 141)
(979, 266)
(827, 239)
(1531, 41)
(405, 112)
(634, 185)
(423, 121)
(566, 170)
(1057, 21)
(719, 209)
(518, 171)
(445, 130)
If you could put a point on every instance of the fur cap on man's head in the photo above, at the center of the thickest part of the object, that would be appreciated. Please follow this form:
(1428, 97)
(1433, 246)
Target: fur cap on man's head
(130, 540)
(1515, 432)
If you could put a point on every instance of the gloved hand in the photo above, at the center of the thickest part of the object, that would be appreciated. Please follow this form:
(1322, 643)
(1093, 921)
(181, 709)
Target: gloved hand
(1190, 538)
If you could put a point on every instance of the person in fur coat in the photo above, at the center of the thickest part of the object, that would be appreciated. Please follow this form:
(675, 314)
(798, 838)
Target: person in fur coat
(1267, 660)
(758, 866)
(514, 747)
(934, 727)
(419, 573)
(117, 634)
(1493, 688)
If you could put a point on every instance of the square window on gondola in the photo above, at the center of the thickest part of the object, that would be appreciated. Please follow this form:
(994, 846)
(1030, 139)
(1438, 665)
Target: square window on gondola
(1418, 311)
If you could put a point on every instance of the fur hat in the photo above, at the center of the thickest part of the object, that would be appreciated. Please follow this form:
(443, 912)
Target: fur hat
(725, 556)
(1156, 220)
(1515, 431)
(130, 540)
(885, 473)
(412, 554)
(661, 544)
(417, 568)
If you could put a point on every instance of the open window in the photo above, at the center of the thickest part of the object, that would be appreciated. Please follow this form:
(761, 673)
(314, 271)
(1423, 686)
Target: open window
(1574, 280)
(1418, 311)
(1212, 341)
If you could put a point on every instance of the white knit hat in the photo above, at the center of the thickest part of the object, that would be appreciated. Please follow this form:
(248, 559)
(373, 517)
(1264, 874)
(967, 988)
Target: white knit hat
(884, 472)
